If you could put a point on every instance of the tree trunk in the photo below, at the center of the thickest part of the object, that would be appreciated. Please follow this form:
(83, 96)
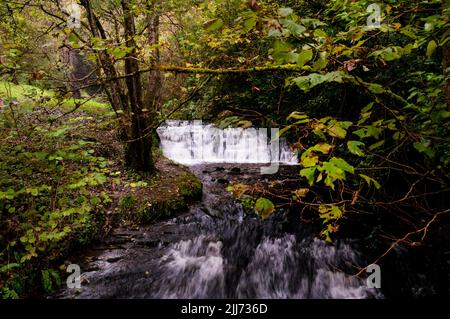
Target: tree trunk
(114, 90)
(446, 74)
(446, 57)
(138, 148)
(154, 93)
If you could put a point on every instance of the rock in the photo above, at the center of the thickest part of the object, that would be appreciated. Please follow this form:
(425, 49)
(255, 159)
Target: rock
(220, 169)
(235, 171)
(223, 181)
(114, 259)
(92, 268)
(149, 243)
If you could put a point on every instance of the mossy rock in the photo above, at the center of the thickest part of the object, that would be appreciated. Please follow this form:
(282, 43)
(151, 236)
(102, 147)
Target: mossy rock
(169, 204)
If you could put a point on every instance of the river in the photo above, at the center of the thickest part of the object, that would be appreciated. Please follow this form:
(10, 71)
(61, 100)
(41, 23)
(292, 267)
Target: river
(216, 250)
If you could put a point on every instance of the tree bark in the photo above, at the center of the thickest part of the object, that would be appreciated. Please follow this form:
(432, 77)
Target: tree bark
(447, 74)
(154, 78)
(138, 148)
(446, 57)
(114, 89)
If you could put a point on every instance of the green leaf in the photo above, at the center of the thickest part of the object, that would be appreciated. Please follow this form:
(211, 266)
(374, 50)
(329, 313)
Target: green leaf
(214, 25)
(324, 148)
(46, 281)
(330, 213)
(264, 207)
(390, 53)
(376, 88)
(98, 44)
(73, 41)
(342, 164)
(369, 131)
(320, 33)
(295, 28)
(329, 181)
(424, 147)
(9, 293)
(321, 62)
(431, 48)
(8, 267)
(335, 130)
(309, 173)
(377, 145)
(354, 147)
(120, 52)
(304, 57)
(369, 180)
(283, 131)
(249, 24)
(333, 171)
(274, 33)
(309, 161)
(306, 83)
(32, 191)
(284, 12)
(297, 116)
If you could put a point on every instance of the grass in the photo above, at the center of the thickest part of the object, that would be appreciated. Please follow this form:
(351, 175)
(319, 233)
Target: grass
(21, 91)
(27, 95)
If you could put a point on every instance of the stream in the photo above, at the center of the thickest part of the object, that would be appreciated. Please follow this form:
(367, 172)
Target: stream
(216, 250)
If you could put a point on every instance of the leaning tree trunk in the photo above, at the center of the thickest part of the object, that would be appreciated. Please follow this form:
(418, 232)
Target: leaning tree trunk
(139, 145)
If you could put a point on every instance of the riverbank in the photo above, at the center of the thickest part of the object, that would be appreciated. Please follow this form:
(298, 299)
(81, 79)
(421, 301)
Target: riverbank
(65, 188)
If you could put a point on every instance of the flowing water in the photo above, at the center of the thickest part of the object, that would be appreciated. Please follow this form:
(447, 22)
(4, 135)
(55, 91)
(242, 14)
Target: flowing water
(216, 250)
(193, 143)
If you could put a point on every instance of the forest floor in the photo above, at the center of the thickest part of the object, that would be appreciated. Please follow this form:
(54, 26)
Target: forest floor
(64, 186)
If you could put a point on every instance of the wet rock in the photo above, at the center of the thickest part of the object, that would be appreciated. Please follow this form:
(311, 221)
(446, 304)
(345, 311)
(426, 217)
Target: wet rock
(235, 171)
(211, 212)
(114, 259)
(92, 267)
(223, 181)
(149, 243)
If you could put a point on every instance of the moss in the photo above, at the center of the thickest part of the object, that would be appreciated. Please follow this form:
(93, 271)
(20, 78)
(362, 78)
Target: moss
(186, 188)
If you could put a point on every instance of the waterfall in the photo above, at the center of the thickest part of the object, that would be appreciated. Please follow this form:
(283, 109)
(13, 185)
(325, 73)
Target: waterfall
(217, 249)
(191, 143)
(278, 268)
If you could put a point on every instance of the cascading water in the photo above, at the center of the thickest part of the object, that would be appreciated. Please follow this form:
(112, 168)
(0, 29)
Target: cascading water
(216, 250)
(192, 143)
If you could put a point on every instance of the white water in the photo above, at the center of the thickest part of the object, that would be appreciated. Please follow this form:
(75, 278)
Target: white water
(191, 143)
(279, 268)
